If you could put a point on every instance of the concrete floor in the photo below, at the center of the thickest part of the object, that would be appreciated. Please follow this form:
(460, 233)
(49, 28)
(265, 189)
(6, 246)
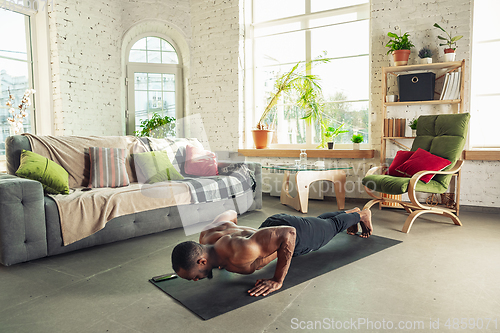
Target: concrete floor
(439, 272)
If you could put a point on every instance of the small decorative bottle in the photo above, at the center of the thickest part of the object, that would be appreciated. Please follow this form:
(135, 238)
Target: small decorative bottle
(303, 159)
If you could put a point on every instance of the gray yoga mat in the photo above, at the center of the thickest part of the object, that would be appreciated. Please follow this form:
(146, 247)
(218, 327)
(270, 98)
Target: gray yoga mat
(228, 291)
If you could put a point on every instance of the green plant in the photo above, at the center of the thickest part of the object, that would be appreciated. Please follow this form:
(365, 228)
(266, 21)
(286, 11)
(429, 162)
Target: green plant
(449, 40)
(331, 133)
(400, 42)
(425, 52)
(300, 86)
(413, 124)
(357, 138)
(157, 127)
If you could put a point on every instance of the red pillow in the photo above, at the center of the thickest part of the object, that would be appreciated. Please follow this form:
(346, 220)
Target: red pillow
(401, 157)
(423, 160)
(200, 162)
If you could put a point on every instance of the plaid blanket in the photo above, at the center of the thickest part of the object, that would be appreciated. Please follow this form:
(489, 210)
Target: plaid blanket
(232, 181)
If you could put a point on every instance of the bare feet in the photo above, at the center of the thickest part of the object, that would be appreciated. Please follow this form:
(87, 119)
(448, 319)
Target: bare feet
(365, 217)
(353, 230)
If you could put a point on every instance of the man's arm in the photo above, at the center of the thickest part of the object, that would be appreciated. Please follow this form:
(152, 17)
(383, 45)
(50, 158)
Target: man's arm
(282, 241)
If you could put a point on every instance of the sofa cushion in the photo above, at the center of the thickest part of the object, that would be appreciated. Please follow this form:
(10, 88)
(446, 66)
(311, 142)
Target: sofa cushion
(200, 162)
(175, 148)
(399, 185)
(53, 177)
(155, 167)
(423, 160)
(107, 167)
(401, 157)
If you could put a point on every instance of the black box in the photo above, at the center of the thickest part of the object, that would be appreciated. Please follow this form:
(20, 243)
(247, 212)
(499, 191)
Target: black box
(416, 87)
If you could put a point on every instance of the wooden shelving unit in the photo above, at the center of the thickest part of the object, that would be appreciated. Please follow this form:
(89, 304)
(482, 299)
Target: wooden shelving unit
(440, 69)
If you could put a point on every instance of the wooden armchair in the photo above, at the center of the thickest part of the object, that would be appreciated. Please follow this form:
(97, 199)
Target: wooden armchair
(442, 135)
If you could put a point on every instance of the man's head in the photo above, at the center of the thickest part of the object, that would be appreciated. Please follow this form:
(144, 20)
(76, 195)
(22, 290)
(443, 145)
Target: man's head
(190, 261)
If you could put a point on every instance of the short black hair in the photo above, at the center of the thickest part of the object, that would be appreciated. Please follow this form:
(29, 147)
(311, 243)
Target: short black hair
(185, 254)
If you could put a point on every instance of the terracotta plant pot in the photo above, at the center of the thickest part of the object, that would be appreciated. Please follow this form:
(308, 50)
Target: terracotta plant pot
(262, 138)
(401, 57)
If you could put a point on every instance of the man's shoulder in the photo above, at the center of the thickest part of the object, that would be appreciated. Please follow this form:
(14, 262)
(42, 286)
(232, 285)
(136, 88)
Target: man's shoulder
(218, 226)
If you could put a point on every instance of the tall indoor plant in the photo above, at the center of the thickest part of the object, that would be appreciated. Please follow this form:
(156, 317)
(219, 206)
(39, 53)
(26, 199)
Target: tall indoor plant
(400, 47)
(300, 86)
(450, 42)
(157, 127)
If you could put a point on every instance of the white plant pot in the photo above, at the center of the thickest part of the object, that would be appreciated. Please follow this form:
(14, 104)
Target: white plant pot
(413, 133)
(355, 146)
(449, 57)
(426, 60)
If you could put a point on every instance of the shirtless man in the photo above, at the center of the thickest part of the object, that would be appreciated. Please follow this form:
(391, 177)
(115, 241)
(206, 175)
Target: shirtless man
(238, 249)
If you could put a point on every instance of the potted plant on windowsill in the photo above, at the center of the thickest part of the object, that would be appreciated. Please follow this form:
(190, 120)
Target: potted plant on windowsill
(425, 55)
(356, 140)
(451, 42)
(330, 134)
(299, 86)
(400, 47)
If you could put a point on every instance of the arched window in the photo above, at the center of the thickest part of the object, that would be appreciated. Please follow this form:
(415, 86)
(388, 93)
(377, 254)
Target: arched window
(154, 81)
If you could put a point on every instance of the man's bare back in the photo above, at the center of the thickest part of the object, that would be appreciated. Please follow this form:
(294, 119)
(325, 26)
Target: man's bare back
(243, 250)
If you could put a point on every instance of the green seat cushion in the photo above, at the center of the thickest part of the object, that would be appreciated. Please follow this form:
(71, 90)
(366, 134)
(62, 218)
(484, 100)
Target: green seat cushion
(53, 177)
(155, 166)
(399, 185)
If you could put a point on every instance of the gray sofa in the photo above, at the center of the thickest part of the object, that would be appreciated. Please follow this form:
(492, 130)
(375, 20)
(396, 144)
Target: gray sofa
(30, 226)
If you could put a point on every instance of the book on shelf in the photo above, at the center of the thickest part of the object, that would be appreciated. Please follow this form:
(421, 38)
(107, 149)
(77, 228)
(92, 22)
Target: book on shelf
(394, 127)
(451, 86)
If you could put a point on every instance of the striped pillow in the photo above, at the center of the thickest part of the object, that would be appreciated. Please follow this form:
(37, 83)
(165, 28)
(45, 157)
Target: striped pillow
(107, 167)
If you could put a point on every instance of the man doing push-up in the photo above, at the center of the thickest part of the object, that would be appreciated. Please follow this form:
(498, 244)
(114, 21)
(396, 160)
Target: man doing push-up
(238, 249)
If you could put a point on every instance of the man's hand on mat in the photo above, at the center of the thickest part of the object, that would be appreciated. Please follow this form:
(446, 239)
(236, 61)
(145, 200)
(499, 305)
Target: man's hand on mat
(264, 287)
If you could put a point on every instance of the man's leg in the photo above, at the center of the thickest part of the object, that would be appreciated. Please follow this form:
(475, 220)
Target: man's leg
(352, 228)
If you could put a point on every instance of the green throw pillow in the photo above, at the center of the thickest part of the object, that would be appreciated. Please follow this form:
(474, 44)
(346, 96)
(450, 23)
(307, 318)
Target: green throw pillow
(156, 167)
(53, 177)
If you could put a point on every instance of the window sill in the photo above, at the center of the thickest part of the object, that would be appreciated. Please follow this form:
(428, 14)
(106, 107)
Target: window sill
(482, 155)
(313, 153)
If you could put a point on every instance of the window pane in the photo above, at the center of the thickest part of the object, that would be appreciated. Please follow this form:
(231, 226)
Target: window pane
(280, 49)
(169, 104)
(347, 77)
(484, 124)
(141, 101)
(486, 23)
(154, 57)
(265, 10)
(153, 50)
(14, 42)
(291, 129)
(140, 44)
(322, 39)
(483, 71)
(141, 81)
(154, 81)
(153, 43)
(155, 102)
(321, 5)
(354, 115)
(169, 58)
(14, 74)
(137, 56)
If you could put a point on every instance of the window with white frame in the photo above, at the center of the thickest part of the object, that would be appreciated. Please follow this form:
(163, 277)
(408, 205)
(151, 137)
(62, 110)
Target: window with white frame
(16, 68)
(285, 32)
(485, 86)
(154, 77)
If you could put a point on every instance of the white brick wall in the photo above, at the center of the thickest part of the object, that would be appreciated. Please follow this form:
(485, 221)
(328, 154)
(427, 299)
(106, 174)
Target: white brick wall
(214, 85)
(85, 55)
